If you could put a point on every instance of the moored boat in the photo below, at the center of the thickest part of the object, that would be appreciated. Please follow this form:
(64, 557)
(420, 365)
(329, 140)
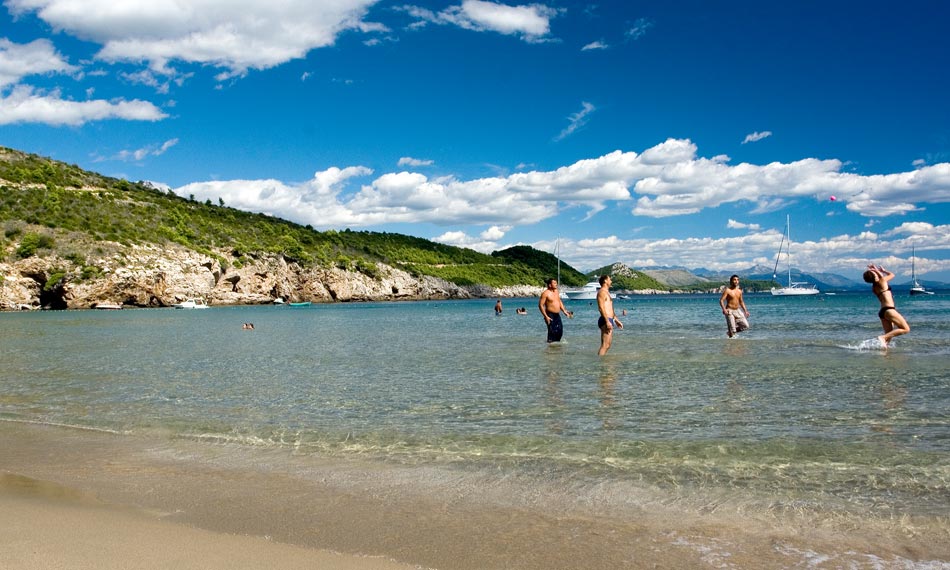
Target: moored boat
(191, 304)
(794, 288)
(916, 288)
(587, 292)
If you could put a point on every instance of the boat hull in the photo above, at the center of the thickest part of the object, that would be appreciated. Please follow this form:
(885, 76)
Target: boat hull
(190, 304)
(581, 295)
(920, 291)
(793, 291)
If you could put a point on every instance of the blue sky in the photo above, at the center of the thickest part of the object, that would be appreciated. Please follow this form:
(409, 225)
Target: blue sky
(651, 133)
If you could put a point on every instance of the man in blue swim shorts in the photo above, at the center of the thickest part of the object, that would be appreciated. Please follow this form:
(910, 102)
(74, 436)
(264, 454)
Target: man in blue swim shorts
(551, 308)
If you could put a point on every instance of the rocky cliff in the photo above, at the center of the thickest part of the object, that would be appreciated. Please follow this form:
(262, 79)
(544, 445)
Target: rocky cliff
(150, 276)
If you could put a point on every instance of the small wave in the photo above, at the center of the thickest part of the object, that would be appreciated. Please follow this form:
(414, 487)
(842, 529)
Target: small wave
(866, 345)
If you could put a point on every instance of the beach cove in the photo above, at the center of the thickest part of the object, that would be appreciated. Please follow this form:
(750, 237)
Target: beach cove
(437, 435)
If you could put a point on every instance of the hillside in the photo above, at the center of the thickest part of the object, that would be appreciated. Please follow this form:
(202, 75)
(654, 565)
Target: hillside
(72, 228)
(626, 279)
(545, 262)
(676, 277)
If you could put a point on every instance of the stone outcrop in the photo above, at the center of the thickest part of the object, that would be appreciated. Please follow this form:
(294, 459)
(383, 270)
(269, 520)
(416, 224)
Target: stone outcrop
(150, 276)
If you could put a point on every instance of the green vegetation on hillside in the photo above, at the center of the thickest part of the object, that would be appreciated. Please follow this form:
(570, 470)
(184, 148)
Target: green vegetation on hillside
(49, 205)
(628, 279)
(544, 262)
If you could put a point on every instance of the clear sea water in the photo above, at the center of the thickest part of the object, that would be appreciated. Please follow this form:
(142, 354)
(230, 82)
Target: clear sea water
(794, 414)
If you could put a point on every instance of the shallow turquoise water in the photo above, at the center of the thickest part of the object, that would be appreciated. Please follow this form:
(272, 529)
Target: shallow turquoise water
(791, 413)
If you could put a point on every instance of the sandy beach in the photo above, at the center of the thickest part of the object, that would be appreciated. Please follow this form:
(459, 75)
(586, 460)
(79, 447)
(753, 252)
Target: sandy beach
(50, 528)
(79, 499)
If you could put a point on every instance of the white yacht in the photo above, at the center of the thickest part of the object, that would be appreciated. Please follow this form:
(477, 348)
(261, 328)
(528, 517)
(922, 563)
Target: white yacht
(587, 292)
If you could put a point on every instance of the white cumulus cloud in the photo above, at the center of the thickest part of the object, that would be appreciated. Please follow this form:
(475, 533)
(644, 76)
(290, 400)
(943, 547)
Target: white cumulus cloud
(665, 180)
(532, 22)
(25, 105)
(35, 58)
(734, 225)
(235, 36)
(495, 233)
(842, 253)
(486, 242)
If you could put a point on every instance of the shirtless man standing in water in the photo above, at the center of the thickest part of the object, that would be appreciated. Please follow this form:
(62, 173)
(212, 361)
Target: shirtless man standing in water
(608, 319)
(893, 322)
(733, 307)
(551, 308)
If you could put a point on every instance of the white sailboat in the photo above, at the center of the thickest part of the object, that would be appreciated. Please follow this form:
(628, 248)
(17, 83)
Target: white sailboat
(916, 288)
(794, 288)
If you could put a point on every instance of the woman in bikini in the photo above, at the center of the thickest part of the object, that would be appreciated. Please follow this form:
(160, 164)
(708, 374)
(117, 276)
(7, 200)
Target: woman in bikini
(893, 322)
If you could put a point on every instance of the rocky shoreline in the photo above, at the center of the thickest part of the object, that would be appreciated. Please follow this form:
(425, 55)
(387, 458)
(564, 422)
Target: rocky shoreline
(151, 276)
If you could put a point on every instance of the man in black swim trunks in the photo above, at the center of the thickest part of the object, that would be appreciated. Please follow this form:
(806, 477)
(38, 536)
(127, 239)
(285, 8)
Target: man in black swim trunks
(893, 322)
(608, 319)
(551, 308)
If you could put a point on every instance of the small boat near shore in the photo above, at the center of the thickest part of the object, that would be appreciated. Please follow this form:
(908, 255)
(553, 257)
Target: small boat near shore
(191, 304)
(108, 307)
(300, 304)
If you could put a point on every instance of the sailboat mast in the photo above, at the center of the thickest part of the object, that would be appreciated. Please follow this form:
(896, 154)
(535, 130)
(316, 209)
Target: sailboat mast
(788, 233)
(557, 253)
(913, 264)
(778, 256)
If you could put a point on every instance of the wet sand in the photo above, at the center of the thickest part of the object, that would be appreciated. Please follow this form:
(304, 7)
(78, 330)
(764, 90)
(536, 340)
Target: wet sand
(78, 499)
(41, 532)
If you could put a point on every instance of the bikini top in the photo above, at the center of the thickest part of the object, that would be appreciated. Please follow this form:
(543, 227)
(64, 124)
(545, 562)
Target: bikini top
(881, 293)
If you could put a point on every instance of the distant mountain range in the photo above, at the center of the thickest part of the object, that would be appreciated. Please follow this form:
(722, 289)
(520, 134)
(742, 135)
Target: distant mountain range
(681, 277)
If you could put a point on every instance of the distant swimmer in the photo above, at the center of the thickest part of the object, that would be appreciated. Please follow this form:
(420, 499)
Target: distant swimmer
(733, 307)
(498, 307)
(551, 308)
(893, 322)
(521, 311)
(608, 319)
